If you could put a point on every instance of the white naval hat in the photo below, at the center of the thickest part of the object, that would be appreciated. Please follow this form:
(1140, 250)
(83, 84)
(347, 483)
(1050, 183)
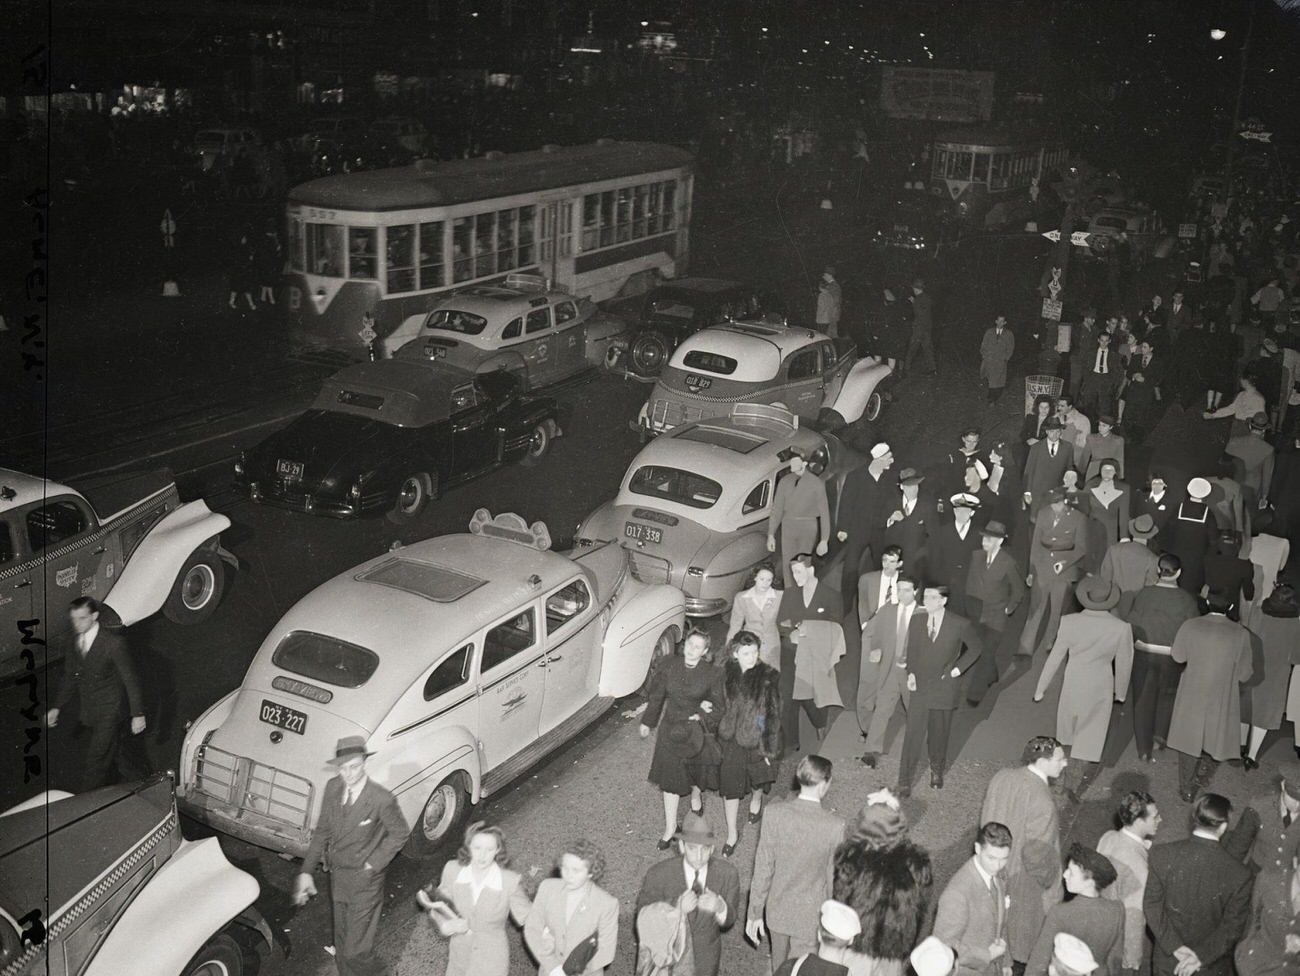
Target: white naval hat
(1073, 953)
(933, 957)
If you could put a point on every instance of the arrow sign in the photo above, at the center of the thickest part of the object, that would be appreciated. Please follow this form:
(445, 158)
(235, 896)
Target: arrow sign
(1052, 235)
(1080, 238)
(1260, 136)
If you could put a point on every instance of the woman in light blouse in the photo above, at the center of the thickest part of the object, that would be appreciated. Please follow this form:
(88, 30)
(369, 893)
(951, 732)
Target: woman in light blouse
(1244, 405)
(483, 893)
(570, 909)
(754, 609)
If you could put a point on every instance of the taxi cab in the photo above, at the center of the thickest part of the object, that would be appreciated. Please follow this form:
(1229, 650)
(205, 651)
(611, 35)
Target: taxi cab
(692, 509)
(543, 335)
(461, 659)
(125, 540)
(808, 373)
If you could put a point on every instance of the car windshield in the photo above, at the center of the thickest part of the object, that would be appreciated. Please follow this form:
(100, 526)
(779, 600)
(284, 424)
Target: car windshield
(325, 659)
(675, 485)
(451, 320)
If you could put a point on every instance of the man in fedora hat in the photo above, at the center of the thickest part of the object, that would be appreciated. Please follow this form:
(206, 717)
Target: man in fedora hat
(1056, 554)
(1131, 564)
(1227, 570)
(704, 887)
(911, 522)
(995, 588)
(1190, 534)
(1100, 649)
(1046, 465)
(1256, 459)
(1159, 610)
(359, 832)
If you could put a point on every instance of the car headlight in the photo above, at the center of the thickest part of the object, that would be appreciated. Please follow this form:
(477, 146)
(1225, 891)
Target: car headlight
(240, 463)
(359, 483)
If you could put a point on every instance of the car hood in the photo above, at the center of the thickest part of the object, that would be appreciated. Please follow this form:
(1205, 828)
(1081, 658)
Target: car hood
(329, 446)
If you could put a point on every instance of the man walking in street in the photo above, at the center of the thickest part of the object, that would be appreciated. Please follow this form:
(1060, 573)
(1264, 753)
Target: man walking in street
(801, 513)
(1021, 798)
(922, 328)
(864, 504)
(882, 684)
(1056, 553)
(972, 910)
(996, 349)
(1127, 848)
(793, 865)
(830, 303)
(1159, 611)
(995, 588)
(1197, 898)
(1131, 564)
(359, 833)
(97, 669)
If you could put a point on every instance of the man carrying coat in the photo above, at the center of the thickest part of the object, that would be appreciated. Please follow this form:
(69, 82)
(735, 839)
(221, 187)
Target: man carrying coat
(359, 833)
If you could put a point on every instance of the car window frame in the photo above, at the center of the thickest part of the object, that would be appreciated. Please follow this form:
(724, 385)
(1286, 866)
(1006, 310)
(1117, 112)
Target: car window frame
(453, 410)
(577, 618)
(467, 673)
(550, 321)
(764, 505)
(90, 524)
(810, 349)
(512, 665)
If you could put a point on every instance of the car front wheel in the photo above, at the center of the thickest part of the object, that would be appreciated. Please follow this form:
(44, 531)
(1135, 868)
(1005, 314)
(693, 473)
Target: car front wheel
(539, 443)
(413, 496)
(220, 957)
(443, 816)
(198, 588)
(875, 404)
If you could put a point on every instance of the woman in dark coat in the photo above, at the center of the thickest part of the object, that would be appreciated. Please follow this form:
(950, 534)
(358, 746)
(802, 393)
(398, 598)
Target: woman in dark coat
(1223, 349)
(749, 731)
(1271, 946)
(685, 690)
(1031, 430)
(1275, 628)
(891, 331)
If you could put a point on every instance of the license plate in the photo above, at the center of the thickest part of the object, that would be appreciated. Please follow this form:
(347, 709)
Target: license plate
(282, 716)
(643, 533)
(289, 470)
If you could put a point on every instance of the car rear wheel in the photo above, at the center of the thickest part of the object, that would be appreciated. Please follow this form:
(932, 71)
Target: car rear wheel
(444, 814)
(664, 648)
(875, 404)
(198, 588)
(220, 957)
(539, 443)
(414, 495)
(649, 353)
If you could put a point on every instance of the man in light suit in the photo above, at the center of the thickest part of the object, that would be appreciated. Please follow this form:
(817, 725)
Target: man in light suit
(359, 832)
(1046, 465)
(97, 668)
(972, 909)
(941, 646)
(792, 866)
(1056, 554)
(883, 682)
(995, 587)
(707, 888)
(1197, 899)
(1127, 848)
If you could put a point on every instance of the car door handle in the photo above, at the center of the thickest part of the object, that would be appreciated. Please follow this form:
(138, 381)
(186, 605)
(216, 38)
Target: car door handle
(542, 663)
(100, 551)
(21, 584)
(557, 657)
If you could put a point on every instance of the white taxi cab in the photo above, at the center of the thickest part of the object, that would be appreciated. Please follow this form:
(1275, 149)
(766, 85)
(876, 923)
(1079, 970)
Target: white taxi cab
(461, 659)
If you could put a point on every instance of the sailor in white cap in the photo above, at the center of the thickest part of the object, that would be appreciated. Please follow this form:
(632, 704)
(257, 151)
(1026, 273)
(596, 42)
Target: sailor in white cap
(933, 957)
(1070, 956)
(837, 926)
(1190, 534)
(860, 518)
(952, 547)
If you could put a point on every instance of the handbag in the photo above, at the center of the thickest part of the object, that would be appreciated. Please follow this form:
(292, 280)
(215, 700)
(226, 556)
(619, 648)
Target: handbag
(762, 772)
(706, 765)
(581, 955)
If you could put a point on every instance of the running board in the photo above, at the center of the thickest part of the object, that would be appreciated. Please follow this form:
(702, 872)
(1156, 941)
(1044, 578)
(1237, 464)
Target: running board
(547, 743)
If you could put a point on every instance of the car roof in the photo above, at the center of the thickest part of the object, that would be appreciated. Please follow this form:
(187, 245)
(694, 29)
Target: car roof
(498, 301)
(415, 392)
(440, 590)
(708, 286)
(757, 348)
(27, 489)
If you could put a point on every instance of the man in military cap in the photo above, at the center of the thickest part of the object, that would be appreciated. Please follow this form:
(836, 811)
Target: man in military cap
(1056, 554)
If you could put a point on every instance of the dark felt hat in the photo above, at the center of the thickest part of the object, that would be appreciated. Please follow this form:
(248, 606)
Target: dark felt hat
(910, 476)
(1053, 423)
(349, 747)
(1143, 527)
(1097, 594)
(997, 529)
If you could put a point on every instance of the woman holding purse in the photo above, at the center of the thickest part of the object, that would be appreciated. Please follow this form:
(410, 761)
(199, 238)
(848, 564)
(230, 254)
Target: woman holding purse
(749, 730)
(472, 901)
(573, 926)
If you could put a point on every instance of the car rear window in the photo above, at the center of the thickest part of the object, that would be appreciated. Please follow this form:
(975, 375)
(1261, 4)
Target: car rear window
(451, 320)
(710, 362)
(325, 659)
(675, 485)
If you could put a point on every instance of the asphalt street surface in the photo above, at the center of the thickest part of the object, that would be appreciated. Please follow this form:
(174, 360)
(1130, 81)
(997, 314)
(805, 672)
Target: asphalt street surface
(140, 380)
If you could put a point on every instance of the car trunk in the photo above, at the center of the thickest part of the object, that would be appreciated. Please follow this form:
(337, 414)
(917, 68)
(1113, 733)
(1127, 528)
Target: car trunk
(660, 546)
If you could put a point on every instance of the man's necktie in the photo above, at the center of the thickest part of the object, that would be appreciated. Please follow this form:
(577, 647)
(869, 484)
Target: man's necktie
(1051, 450)
(901, 638)
(1101, 361)
(347, 797)
(889, 592)
(1286, 820)
(695, 884)
(991, 555)
(930, 626)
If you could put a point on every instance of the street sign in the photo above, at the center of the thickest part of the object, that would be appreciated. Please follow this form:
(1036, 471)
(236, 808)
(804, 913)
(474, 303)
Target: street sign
(1079, 238)
(1052, 309)
(1052, 235)
(1258, 136)
(1187, 232)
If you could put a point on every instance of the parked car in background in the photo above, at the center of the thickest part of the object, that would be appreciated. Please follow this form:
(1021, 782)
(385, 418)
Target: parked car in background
(543, 335)
(402, 131)
(392, 435)
(816, 377)
(461, 660)
(338, 127)
(670, 312)
(1147, 235)
(227, 143)
(909, 224)
(126, 540)
(113, 888)
(692, 509)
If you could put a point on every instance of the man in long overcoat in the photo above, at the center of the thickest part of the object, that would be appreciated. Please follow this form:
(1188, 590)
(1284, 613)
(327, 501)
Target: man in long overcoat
(1021, 798)
(1046, 465)
(1056, 554)
(995, 588)
(1207, 711)
(1131, 564)
(1100, 649)
(996, 349)
(865, 502)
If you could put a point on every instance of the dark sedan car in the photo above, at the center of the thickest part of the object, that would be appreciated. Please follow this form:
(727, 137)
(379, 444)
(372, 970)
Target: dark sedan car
(676, 309)
(392, 434)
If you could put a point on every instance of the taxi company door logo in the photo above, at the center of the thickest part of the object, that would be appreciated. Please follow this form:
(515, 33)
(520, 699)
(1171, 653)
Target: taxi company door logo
(510, 704)
(66, 577)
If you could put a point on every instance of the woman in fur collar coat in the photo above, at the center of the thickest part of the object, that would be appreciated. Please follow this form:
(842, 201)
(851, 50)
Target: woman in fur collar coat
(750, 732)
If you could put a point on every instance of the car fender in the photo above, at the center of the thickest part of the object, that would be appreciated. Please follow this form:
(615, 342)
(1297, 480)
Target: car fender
(606, 331)
(212, 718)
(197, 876)
(599, 525)
(508, 360)
(145, 582)
(741, 553)
(641, 613)
(861, 382)
(407, 329)
(409, 774)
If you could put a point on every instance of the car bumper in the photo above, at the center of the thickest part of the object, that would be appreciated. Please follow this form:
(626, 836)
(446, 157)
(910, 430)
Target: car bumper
(700, 607)
(300, 500)
(251, 828)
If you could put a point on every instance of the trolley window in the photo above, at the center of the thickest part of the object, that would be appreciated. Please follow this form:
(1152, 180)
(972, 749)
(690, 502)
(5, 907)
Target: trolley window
(363, 252)
(400, 263)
